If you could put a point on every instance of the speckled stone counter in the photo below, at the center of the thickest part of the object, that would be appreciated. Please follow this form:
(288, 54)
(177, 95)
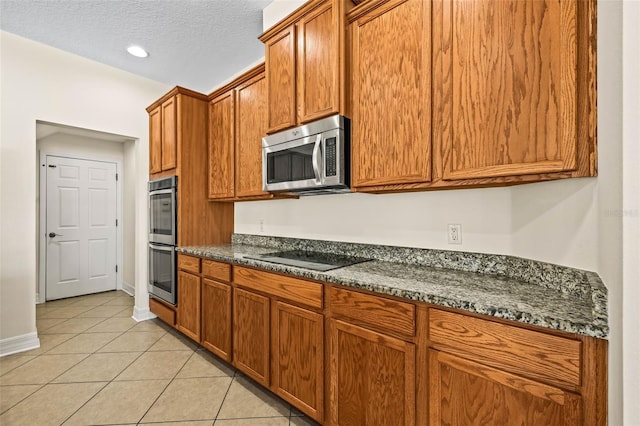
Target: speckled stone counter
(508, 287)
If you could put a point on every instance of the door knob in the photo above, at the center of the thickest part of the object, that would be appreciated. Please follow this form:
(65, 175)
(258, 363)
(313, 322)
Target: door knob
(53, 234)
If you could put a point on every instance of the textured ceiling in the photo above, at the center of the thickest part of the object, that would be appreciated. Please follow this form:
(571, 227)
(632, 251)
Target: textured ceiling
(197, 44)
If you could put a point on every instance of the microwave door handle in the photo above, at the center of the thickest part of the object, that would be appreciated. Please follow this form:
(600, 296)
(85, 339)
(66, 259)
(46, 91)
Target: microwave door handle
(315, 158)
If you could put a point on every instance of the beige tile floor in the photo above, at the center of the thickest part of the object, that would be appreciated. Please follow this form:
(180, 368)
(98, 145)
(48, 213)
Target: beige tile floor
(97, 366)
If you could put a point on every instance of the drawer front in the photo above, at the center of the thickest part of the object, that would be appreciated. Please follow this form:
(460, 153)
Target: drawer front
(288, 288)
(163, 312)
(216, 270)
(379, 311)
(189, 263)
(531, 353)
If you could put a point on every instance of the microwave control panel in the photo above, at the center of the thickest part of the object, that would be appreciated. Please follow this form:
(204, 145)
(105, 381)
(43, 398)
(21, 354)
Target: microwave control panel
(330, 157)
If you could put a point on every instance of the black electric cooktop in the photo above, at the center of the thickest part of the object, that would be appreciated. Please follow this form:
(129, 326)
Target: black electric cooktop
(309, 259)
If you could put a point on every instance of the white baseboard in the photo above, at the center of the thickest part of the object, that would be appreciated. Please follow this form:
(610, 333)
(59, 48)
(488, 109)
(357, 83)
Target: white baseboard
(13, 345)
(128, 288)
(142, 314)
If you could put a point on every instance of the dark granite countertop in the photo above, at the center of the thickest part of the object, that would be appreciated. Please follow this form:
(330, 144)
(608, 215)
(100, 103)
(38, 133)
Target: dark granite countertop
(507, 287)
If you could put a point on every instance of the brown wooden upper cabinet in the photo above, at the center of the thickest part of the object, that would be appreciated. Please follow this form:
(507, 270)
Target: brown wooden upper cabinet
(237, 123)
(178, 146)
(490, 92)
(179, 105)
(509, 74)
(391, 94)
(162, 136)
(305, 64)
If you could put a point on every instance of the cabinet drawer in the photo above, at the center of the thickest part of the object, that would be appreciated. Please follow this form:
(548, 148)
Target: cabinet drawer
(530, 353)
(216, 270)
(288, 288)
(189, 263)
(379, 311)
(163, 312)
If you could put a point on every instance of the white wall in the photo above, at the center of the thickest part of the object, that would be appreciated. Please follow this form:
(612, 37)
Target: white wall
(576, 222)
(129, 216)
(631, 212)
(42, 83)
(277, 10)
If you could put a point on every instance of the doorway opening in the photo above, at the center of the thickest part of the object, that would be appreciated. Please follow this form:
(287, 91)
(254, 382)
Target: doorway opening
(86, 218)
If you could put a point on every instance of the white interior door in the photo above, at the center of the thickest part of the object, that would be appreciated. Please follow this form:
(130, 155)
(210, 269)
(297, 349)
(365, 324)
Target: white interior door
(81, 227)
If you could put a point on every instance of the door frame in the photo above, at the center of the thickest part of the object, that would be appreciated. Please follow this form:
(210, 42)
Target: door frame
(42, 237)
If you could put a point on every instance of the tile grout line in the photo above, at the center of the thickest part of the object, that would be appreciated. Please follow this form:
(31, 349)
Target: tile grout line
(215, 419)
(106, 383)
(166, 387)
(47, 352)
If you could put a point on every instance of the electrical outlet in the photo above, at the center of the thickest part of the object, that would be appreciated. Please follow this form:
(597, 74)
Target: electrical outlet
(454, 233)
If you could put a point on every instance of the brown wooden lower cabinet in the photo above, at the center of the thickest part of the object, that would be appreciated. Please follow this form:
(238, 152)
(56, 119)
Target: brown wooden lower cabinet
(251, 334)
(463, 392)
(216, 318)
(298, 357)
(372, 377)
(346, 357)
(188, 320)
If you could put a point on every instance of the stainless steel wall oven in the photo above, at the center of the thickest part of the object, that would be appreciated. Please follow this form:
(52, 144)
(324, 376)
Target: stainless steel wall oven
(163, 238)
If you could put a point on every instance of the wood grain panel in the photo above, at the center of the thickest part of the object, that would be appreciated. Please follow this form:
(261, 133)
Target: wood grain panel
(512, 89)
(162, 311)
(375, 311)
(391, 96)
(594, 379)
(372, 377)
(199, 220)
(216, 318)
(541, 356)
(317, 78)
(251, 335)
(298, 362)
(467, 393)
(155, 140)
(289, 288)
(221, 146)
(280, 61)
(217, 270)
(188, 321)
(251, 126)
(169, 136)
(189, 263)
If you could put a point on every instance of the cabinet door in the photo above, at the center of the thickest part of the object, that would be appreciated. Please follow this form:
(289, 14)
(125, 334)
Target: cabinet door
(509, 86)
(169, 135)
(251, 334)
(280, 65)
(318, 62)
(189, 305)
(372, 377)
(216, 318)
(298, 358)
(391, 131)
(466, 393)
(221, 146)
(251, 126)
(155, 140)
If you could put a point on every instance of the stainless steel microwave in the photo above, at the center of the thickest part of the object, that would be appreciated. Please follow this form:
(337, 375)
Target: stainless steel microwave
(309, 160)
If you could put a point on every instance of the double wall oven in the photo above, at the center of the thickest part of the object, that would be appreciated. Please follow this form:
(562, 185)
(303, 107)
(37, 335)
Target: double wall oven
(163, 238)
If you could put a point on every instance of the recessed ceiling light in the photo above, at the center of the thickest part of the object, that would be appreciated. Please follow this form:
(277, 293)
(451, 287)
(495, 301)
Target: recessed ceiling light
(137, 51)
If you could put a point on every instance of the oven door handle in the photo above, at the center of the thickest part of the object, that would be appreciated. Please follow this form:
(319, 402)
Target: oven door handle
(162, 247)
(161, 191)
(315, 158)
